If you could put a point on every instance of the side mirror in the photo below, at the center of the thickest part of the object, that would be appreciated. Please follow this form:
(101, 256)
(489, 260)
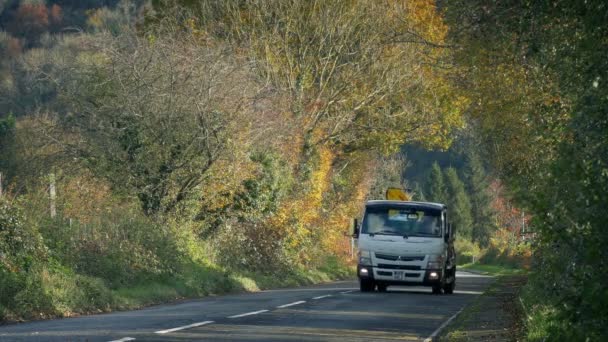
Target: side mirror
(355, 228)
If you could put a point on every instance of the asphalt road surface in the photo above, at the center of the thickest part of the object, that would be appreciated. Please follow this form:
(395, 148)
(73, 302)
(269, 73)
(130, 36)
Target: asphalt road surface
(329, 312)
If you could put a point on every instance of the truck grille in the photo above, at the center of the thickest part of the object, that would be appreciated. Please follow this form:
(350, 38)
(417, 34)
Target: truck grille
(397, 257)
(400, 267)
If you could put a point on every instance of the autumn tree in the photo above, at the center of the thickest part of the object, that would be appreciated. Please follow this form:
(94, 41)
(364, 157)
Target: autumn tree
(30, 21)
(349, 67)
(388, 173)
(150, 115)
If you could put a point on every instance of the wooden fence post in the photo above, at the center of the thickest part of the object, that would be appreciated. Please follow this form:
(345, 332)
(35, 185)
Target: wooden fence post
(53, 195)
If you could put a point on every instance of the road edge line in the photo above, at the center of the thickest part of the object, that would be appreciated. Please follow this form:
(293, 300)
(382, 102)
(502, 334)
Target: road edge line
(248, 314)
(321, 297)
(124, 339)
(291, 304)
(193, 325)
(442, 326)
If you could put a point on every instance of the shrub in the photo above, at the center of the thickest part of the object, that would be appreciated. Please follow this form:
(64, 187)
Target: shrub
(506, 248)
(467, 251)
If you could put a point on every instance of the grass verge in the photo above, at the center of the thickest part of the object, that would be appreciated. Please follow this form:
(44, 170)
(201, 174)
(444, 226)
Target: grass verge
(494, 316)
(63, 294)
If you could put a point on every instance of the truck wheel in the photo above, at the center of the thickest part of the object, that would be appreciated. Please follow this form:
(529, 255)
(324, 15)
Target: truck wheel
(366, 285)
(436, 289)
(381, 287)
(449, 288)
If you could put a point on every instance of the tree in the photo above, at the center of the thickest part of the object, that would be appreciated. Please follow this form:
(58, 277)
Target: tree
(459, 205)
(481, 199)
(388, 173)
(537, 74)
(30, 21)
(7, 147)
(151, 116)
(348, 67)
(436, 190)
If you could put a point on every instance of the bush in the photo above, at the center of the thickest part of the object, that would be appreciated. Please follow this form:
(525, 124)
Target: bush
(254, 247)
(466, 251)
(506, 249)
(121, 246)
(21, 251)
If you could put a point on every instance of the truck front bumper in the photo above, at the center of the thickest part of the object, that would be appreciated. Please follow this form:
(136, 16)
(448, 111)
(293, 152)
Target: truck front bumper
(428, 277)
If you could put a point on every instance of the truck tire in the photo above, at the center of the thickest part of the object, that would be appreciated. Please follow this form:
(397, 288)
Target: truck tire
(436, 289)
(449, 288)
(366, 285)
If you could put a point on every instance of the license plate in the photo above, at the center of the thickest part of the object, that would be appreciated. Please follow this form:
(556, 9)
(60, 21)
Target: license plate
(398, 275)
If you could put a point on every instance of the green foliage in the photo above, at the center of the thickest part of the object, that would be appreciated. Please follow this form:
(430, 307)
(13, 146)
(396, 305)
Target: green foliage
(475, 176)
(261, 195)
(467, 251)
(459, 205)
(7, 148)
(436, 189)
(549, 141)
(20, 244)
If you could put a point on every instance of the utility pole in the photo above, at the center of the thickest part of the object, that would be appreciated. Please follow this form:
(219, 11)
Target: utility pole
(53, 195)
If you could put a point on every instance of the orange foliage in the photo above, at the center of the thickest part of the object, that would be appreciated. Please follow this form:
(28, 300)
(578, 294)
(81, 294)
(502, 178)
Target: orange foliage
(508, 216)
(31, 19)
(338, 218)
(13, 47)
(56, 14)
(85, 198)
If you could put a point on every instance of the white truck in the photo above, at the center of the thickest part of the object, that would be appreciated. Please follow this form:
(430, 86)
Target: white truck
(405, 243)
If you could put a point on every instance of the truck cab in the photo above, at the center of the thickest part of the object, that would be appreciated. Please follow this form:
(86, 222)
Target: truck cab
(405, 243)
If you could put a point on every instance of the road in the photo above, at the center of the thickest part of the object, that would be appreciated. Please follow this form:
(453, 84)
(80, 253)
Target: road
(329, 312)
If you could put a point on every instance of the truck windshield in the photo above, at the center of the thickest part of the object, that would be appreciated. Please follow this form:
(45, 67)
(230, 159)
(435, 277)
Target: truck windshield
(402, 221)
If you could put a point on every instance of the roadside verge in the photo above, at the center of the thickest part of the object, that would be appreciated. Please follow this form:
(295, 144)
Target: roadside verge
(494, 316)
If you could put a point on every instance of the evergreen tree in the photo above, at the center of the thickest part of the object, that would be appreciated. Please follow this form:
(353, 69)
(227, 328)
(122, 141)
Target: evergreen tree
(477, 185)
(436, 190)
(419, 193)
(459, 204)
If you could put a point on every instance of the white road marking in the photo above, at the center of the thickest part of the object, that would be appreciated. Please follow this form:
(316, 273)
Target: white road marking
(469, 292)
(124, 339)
(436, 332)
(291, 304)
(321, 297)
(344, 292)
(194, 325)
(460, 274)
(248, 314)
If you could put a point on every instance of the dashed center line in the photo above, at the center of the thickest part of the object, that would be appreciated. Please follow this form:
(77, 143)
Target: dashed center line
(321, 297)
(291, 304)
(248, 314)
(194, 325)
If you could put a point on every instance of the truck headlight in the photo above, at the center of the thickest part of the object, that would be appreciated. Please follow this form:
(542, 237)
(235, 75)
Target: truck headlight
(435, 262)
(365, 258)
